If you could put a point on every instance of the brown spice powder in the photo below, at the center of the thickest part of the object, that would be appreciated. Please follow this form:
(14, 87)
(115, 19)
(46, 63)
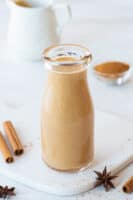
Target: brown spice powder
(111, 68)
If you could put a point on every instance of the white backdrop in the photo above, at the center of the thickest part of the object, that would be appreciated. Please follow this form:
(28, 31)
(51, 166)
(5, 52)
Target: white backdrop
(106, 27)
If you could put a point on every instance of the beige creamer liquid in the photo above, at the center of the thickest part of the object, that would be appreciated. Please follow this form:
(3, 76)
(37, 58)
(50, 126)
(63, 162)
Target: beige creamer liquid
(67, 121)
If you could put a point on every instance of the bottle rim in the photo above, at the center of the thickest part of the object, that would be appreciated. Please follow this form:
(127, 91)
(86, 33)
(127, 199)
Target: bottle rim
(81, 54)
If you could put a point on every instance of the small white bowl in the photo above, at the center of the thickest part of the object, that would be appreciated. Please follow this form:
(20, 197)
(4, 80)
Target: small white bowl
(113, 78)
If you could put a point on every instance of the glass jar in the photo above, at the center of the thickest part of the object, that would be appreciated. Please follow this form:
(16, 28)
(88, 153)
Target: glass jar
(67, 121)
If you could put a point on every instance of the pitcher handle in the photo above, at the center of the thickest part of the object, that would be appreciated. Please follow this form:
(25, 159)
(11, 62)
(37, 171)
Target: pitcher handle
(63, 14)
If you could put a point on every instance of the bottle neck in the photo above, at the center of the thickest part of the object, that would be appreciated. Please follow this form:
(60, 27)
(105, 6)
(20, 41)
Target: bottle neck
(65, 78)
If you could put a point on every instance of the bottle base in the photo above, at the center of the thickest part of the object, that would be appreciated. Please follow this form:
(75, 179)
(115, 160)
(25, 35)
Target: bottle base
(73, 170)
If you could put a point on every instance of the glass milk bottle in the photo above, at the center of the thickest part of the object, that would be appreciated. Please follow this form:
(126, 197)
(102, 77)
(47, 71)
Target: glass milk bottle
(67, 120)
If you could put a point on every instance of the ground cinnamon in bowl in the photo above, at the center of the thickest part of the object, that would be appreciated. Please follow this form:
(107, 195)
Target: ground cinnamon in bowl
(113, 72)
(112, 68)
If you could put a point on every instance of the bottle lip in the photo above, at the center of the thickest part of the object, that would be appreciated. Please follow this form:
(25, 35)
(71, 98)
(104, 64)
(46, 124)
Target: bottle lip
(84, 58)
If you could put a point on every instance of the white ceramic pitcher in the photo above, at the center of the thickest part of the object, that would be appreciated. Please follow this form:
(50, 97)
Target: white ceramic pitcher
(32, 29)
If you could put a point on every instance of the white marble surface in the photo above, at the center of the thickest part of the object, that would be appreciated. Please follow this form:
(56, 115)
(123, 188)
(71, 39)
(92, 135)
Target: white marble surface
(27, 123)
(108, 38)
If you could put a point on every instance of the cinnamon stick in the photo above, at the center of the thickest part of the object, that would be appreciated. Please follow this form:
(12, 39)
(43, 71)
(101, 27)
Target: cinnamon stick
(128, 186)
(5, 150)
(13, 138)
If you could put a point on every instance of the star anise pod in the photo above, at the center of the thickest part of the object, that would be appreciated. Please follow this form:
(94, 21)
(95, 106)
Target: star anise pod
(6, 192)
(104, 178)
